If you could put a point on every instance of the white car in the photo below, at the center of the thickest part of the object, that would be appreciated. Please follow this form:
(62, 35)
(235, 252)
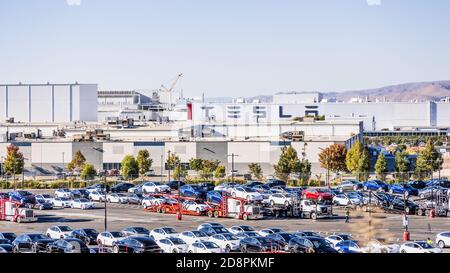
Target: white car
(58, 232)
(109, 238)
(63, 193)
(164, 232)
(151, 201)
(280, 199)
(226, 241)
(375, 246)
(194, 206)
(443, 239)
(238, 229)
(193, 236)
(334, 239)
(346, 199)
(155, 187)
(117, 198)
(82, 203)
(46, 198)
(267, 231)
(96, 195)
(418, 247)
(246, 193)
(136, 189)
(204, 247)
(227, 187)
(173, 245)
(62, 202)
(204, 225)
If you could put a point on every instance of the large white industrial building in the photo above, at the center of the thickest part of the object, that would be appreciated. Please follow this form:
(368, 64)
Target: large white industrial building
(50, 103)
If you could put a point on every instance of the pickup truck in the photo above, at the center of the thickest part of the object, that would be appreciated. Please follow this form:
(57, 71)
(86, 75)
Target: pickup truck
(312, 210)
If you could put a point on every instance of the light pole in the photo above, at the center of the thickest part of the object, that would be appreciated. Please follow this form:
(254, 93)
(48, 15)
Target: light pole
(101, 151)
(232, 165)
(327, 161)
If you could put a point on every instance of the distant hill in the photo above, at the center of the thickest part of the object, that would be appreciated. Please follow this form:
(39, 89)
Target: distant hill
(420, 91)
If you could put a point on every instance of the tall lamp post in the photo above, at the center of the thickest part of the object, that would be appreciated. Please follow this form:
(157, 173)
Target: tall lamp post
(233, 155)
(327, 161)
(101, 151)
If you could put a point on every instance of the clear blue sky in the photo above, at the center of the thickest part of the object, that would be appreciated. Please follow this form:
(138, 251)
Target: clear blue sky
(225, 48)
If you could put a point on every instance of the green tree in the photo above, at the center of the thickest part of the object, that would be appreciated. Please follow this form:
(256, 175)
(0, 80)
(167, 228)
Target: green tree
(77, 163)
(172, 161)
(88, 172)
(179, 173)
(196, 164)
(144, 161)
(288, 163)
(381, 167)
(208, 168)
(219, 172)
(333, 158)
(14, 161)
(255, 170)
(428, 161)
(130, 167)
(357, 160)
(402, 165)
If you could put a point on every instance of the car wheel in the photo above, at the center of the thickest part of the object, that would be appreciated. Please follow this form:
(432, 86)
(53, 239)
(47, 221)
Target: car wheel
(272, 203)
(34, 249)
(116, 249)
(190, 251)
(145, 206)
(286, 203)
(365, 188)
(198, 210)
(234, 194)
(313, 216)
(243, 249)
(391, 191)
(16, 249)
(227, 249)
(441, 244)
(403, 251)
(174, 251)
(422, 196)
(407, 210)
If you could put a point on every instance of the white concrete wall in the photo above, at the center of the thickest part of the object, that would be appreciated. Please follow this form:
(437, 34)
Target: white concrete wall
(115, 152)
(46, 153)
(184, 150)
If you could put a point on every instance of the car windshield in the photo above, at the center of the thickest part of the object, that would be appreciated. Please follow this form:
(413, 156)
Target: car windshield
(320, 243)
(64, 199)
(84, 200)
(169, 230)
(424, 245)
(247, 228)
(46, 195)
(35, 237)
(196, 187)
(276, 230)
(90, 231)
(229, 236)
(345, 237)
(249, 189)
(65, 228)
(116, 234)
(25, 193)
(198, 233)
(141, 230)
(219, 230)
(263, 240)
(322, 190)
(353, 194)
(177, 241)
(286, 236)
(210, 245)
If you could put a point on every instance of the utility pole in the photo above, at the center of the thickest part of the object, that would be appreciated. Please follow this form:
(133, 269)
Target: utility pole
(168, 164)
(162, 166)
(232, 165)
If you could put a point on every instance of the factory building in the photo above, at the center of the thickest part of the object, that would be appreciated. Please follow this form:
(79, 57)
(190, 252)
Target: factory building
(48, 103)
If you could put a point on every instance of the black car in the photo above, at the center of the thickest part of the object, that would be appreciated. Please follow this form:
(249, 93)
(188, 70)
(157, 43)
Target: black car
(311, 244)
(100, 187)
(121, 187)
(6, 245)
(258, 244)
(136, 231)
(399, 204)
(274, 182)
(214, 230)
(10, 236)
(42, 205)
(174, 184)
(430, 191)
(87, 235)
(33, 242)
(207, 186)
(282, 237)
(69, 245)
(136, 245)
(418, 184)
(252, 184)
(80, 193)
(4, 195)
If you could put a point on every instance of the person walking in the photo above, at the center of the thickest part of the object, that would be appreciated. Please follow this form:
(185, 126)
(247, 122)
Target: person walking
(429, 241)
(347, 215)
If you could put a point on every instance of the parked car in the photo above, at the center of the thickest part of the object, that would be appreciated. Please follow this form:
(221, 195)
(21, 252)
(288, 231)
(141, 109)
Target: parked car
(135, 198)
(317, 194)
(375, 185)
(69, 245)
(246, 234)
(418, 247)
(151, 201)
(443, 239)
(137, 244)
(80, 193)
(117, 198)
(97, 195)
(193, 236)
(164, 232)
(210, 231)
(238, 229)
(194, 206)
(207, 186)
(172, 245)
(175, 184)
(268, 231)
(283, 237)
(349, 185)
(99, 186)
(306, 233)
(109, 238)
(257, 244)
(121, 187)
(417, 184)
(283, 199)
(214, 197)
(252, 184)
(136, 189)
(226, 186)
(41, 204)
(32, 242)
(43, 198)
(376, 246)
(155, 187)
(316, 244)
(6, 246)
(348, 246)
(10, 236)
(275, 182)
(226, 241)
(58, 232)
(82, 203)
(343, 199)
(334, 239)
(63, 193)
(210, 224)
(23, 197)
(399, 204)
(87, 235)
(203, 246)
(136, 231)
(403, 188)
(193, 191)
(246, 193)
(62, 202)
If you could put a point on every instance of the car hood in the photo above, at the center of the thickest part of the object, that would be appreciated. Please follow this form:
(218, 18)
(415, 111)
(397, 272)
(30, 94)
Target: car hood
(44, 241)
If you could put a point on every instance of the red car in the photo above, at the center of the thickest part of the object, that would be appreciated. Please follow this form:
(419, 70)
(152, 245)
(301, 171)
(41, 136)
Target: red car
(317, 194)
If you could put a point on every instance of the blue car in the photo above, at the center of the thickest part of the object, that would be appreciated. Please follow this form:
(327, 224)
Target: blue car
(375, 185)
(194, 191)
(348, 246)
(402, 188)
(214, 197)
(23, 197)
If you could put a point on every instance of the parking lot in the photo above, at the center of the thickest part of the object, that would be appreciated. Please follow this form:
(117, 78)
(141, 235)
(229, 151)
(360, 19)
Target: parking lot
(379, 225)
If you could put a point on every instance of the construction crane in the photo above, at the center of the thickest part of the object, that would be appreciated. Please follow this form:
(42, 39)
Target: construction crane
(179, 76)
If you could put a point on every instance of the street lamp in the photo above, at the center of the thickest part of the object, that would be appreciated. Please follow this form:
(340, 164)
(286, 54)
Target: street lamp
(232, 165)
(327, 161)
(101, 151)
